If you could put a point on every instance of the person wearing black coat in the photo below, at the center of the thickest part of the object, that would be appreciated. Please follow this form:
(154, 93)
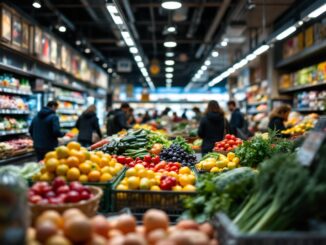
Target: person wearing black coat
(120, 120)
(45, 130)
(278, 116)
(212, 126)
(87, 124)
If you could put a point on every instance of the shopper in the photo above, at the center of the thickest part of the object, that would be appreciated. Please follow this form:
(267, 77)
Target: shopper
(212, 126)
(45, 130)
(109, 121)
(184, 114)
(198, 114)
(131, 120)
(88, 126)
(146, 117)
(120, 118)
(176, 118)
(238, 125)
(278, 116)
(155, 114)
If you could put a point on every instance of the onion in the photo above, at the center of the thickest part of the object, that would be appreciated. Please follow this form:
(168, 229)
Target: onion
(156, 236)
(155, 219)
(100, 225)
(187, 225)
(126, 223)
(45, 230)
(134, 239)
(78, 229)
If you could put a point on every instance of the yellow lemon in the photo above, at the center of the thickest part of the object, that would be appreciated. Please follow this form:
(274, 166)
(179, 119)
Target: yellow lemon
(133, 182)
(177, 188)
(215, 170)
(189, 188)
(236, 160)
(131, 172)
(155, 188)
(184, 170)
(232, 165)
(139, 166)
(150, 174)
(230, 155)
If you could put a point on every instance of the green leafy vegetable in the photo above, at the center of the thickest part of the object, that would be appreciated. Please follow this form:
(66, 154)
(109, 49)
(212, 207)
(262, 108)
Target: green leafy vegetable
(155, 138)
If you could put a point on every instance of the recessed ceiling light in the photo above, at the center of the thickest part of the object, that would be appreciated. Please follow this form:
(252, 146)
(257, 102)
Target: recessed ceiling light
(224, 43)
(87, 50)
(169, 62)
(169, 69)
(171, 5)
(97, 58)
(169, 80)
(318, 11)
(37, 4)
(215, 53)
(171, 29)
(133, 50)
(137, 58)
(170, 44)
(169, 54)
(110, 70)
(78, 42)
(208, 62)
(62, 28)
(105, 65)
(168, 75)
(140, 64)
(203, 68)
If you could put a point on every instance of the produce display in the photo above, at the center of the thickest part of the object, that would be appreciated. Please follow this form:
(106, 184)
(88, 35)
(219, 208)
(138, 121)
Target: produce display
(75, 163)
(58, 192)
(9, 81)
(300, 128)
(26, 171)
(217, 162)
(164, 176)
(177, 153)
(312, 100)
(15, 147)
(73, 227)
(13, 103)
(229, 143)
(8, 123)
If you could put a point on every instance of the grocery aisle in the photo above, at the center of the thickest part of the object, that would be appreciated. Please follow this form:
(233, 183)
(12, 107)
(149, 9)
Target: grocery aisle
(163, 122)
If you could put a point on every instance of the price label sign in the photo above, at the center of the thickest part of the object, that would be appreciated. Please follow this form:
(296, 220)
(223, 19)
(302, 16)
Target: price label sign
(310, 147)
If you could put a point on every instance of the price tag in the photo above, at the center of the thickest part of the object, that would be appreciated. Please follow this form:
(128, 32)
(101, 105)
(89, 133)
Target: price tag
(310, 147)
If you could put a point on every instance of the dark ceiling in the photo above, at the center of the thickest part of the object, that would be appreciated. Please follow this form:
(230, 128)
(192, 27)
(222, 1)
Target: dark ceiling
(196, 33)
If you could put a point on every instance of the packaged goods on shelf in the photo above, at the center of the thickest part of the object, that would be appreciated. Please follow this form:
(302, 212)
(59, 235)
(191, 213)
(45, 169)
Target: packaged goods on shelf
(313, 100)
(13, 102)
(14, 147)
(12, 82)
(9, 123)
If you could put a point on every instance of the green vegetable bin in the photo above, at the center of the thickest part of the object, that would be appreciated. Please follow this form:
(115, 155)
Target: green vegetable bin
(229, 234)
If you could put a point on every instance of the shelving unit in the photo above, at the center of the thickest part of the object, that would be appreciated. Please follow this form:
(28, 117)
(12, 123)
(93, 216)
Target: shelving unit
(303, 87)
(13, 132)
(13, 112)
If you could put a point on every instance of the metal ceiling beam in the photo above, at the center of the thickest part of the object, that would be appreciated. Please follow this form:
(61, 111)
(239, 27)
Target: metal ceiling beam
(143, 5)
(148, 41)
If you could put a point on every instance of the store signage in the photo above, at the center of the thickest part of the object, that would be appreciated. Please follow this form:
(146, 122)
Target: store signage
(124, 66)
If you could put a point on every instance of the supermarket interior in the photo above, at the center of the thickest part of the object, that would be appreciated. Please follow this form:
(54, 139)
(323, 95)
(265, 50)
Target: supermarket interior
(163, 122)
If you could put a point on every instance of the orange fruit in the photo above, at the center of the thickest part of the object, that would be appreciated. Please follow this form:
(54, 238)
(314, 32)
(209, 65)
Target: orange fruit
(73, 174)
(86, 154)
(50, 154)
(63, 161)
(185, 180)
(104, 162)
(73, 161)
(133, 182)
(94, 176)
(79, 154)
(105, 170)
(47, 176)
(95, 159)
(85, 168)
(51, 164)
(73, 145)
(184, 170)
(83, 178)
(189, 188)
(99, 153)
(62, 152)
(105, 177)
(62, 170)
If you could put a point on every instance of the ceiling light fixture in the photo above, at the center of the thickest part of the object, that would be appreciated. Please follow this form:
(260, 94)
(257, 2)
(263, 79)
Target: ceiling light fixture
(133, 50)
(171, 5)
(170, 44)
(287, 32)
(169, 75)
(169, 62)
(169, 54)
(251, 57)
(171, 29)
(140, 64)
(78, 42)
(127, 38)
(37, 4)
(261, 49)
(215, 54)
(318, 11)
(105, 65)
(203, 68)
(97, 59)
(62, 28)
(169, 69)
(138, 58)
(87, 50)
(169, 80)
(110, 70)
(207, 62)
(224, 43)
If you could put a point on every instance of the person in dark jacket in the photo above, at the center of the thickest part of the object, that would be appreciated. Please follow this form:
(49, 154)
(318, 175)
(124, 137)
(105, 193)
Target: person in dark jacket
(237, 121)
(87, 124)
(212, 126)
(120, 118)
(45, 130)
(278, 116)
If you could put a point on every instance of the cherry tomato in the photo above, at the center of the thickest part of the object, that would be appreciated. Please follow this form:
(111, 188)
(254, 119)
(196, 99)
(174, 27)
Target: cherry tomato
(128, 160)
(147, 158)
(229, 149)
(226, 146)
(156, 159)
(231, 142)
(121, 159)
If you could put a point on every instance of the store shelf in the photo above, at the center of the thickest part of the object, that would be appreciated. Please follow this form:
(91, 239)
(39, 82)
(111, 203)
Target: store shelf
(67, 86)
(16, 70)
(256, 112)
(309, 110)
(13, 112)
(68, 124)
(16, 159)
(71, 99)
(302, 56)
(257, 103)
(13, 132)
(14, 91)
(67, 111)
(162, 102)
(303, 87)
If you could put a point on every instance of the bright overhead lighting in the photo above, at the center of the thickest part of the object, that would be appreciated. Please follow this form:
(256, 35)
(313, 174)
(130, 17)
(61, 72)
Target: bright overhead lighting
(169, 54)
(250, 57)
(203, 68)
(224, 43)
(169, 62)
(300, 22)
(231, 70)
(170, 44)
(171, 29)
(168, 75)
(62, 28)
(140, 64)
(78, 42)
(87, 50)
(261, 49)
(168, 85)
(317, 12)
(215, 54)
(169, 80)
(110, 70)
(37, 4)
(243, 62)
(117, 19)
(208, 62)
(133, 50)
(171, 5)
(112, 9)
(114, 14)
(138, 58)
(169, 69)
(105, 65)
(127, 38)
(286, 33)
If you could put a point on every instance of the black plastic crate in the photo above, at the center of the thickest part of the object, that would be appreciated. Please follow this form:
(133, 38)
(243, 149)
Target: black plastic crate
(139, 201)
(228, 234)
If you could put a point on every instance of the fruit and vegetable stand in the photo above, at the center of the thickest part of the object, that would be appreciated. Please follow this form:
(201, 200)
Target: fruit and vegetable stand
(245, 190)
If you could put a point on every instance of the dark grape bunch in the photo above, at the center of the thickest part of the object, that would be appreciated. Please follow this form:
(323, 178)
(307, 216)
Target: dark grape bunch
(175, 153)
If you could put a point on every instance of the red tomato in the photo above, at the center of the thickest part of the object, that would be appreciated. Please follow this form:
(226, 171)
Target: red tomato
(226, 145)
(35, 199)
(222, 144)
(128, 160)
(228, 136)
(73, 197)
(231, 142)
(229, 149)
(177, 164)
(233, 137)
(156, 159)
(121, 159)
(147, 158)
(174, 168)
